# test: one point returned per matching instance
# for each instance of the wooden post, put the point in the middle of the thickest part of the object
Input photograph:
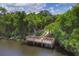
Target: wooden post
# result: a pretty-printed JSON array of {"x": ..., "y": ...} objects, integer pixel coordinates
[
  {"x": 41, "y": 44},
  {"x": 51, "y": 46},
  {"x": 33, "y": 43}
]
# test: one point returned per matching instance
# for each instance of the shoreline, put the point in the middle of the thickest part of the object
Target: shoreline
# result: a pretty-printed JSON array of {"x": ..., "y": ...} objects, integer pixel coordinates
[{"x": 56, "y": 46}]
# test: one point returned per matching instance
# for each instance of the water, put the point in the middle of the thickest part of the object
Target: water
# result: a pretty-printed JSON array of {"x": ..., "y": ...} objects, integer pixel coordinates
[{"x": 12, "y": 48}]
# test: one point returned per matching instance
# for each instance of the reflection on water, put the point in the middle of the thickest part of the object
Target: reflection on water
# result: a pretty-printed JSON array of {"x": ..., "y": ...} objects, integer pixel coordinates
[{"x": 12, "y": 48}]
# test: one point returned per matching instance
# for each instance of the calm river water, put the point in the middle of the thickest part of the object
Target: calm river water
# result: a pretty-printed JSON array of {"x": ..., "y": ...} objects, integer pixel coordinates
[{"x": 12, "y": 48}]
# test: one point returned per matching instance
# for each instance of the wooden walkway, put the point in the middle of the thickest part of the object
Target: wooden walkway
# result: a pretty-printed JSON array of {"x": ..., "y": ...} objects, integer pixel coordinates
[{"x": 43, "y": 40}]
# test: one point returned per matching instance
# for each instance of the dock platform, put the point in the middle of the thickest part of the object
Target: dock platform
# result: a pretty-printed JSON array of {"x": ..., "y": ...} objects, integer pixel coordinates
[{"x": 43, "y": 41}]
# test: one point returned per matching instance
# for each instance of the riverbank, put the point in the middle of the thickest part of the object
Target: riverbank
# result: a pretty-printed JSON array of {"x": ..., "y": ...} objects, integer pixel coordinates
[
  {"x": 56, "y": 46},
  {"x": 13, "y": 48}
]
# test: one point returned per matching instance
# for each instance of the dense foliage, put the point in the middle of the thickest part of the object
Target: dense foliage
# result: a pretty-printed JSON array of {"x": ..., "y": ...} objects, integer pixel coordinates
[
  {"x": 66, "y": 29},
  {"x": 19, "y": 24}
]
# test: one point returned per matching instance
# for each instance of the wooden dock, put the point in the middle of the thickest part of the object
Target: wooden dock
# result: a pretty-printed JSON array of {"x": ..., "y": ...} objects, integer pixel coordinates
[{"x": 43, "y": 41}]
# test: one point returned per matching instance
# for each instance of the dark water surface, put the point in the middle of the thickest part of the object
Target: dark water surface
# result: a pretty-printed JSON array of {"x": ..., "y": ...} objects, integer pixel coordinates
[{"x": 12, "y": 48}]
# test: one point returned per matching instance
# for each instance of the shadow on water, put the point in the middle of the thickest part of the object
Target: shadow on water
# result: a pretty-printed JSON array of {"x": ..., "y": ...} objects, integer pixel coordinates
[
  {"x": 62, "y": 50},
  {"x": 56, "y": 48}
]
